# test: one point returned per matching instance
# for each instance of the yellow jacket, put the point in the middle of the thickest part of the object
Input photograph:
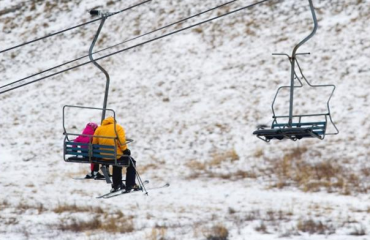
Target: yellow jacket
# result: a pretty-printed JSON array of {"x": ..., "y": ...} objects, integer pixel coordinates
[{"x": 107, "y": 130}]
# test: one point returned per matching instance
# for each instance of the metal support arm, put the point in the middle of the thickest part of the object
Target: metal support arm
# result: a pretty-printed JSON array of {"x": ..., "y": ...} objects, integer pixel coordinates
[
  {"x": 293, "y": 60},
  {"x": 104, "y": 17}
]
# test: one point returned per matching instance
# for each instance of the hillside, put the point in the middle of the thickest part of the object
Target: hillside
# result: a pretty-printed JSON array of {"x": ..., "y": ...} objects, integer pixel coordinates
[{"x": 191, "y": 102}]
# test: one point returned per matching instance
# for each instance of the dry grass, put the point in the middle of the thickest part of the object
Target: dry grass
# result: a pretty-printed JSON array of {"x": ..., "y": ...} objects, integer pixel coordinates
[
  {"x": 284, "y": 222},
  {"x": 270, "y": 216},
  {"x": 212, "y": 173},
  {"x": 82, "y": 170},
  {"x": 262, "y": 228},
  {"x": 258, "y": 153},
  {"x": 218, "y": 232},
  {"x": 61, "y": 208},
  {"x": 4, "y": 204},
  {"x": 239, "y": 174},
  {"x": 218, "y": 158},
  {"x": 295, "y": 170},
  {"x": 252, "y": 215},
  {"x": 22, "y": 207},
  {"x": 11, "y": 9},
  {"x": 312, "y": 227},
  {"x": 144, "y": 168},
  {"x": 157, "y": 234},
  {"x": 359, "y": 231},
  {"x": 17, "y": 211},
  {"x": 108, "y": 223},
  {"x": 198, "y": 30},
  {"x": 101, "y": 220},
  {"x": 218, "y": 161}
]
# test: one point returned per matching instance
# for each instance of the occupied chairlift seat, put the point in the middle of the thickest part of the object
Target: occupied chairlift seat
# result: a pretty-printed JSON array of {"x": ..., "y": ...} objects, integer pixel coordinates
[{"x": 93, "y": 153}]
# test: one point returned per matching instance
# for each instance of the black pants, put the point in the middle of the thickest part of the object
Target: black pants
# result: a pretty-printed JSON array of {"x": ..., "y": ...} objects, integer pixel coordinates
[{"x": 130, "y": 175}]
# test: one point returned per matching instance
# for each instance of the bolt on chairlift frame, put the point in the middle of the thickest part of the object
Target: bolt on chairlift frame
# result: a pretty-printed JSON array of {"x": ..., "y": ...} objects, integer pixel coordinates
[
  {"x": 298, "y": 130},
  {"x": 94, "y": 153}
]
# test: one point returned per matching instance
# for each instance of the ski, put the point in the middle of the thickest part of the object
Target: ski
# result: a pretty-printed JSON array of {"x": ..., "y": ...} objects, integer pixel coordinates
[
  {"x": 115, "y": 194},
  {"x": 85, "y": 178},
  {"x": 121, "y": 192}
]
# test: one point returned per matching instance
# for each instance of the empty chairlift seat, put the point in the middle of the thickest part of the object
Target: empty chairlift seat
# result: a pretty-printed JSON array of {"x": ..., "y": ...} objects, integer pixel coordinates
[{"x": 295, "y": 131}]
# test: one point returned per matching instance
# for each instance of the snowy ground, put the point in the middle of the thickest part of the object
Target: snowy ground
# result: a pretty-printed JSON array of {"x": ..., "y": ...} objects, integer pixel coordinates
[{"x": 191, "y": 102}]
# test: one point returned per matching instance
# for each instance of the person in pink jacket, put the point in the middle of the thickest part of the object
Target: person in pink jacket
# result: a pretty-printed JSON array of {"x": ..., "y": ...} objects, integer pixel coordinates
[{"x": 89, "y": 130}]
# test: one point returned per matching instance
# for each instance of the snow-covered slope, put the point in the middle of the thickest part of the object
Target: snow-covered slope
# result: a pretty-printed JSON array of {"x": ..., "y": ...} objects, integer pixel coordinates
[{"x": 191, "y": 102}]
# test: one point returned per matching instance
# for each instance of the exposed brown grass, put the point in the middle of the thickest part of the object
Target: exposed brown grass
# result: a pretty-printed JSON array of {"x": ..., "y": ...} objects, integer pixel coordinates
[
  {"x": 198, "y": 30},
  {"x": 359, "y": 231},
  {"x": 22, "y": 207},
  {"x": 157, "y": 233},
  {"x": 61, "y": 208},
  {"x": 262, "y": 228},
  {"x": 101, "y": 220},
  {"x": 258, "y": 153},
  {"x": 210, "y": 168},
  {"x": 312, "y": 227},
  {"x": 4, "y": 204},
  {"x": 11, "y": 9},
  {"x": 111, "y": 224},
  {"x": 217, "y": 232},
  {"x": 294, "y": 169},
  {"x": 252, "y": 215},
  {"x": 218, "y": 158},
  {"x": 144, "y": 168},
  {"x": 239, "y": 174}
]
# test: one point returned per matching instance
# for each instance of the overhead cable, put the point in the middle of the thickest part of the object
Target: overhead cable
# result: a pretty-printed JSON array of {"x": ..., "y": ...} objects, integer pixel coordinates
[
  {"x": 140, "y": 44},
  {"x": 68, "y": 29},
  {"x": 126, "y": 41}
]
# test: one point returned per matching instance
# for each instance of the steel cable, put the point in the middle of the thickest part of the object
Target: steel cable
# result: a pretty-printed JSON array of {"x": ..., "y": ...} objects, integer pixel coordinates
[
  {"x": 68, "y": 29},
  {"x": 140, "y": 44},
  {"x": 115, "y": 45}
]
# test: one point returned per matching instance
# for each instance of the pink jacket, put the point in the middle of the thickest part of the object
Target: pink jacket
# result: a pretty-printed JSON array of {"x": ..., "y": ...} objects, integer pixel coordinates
[{"x": 89, "y": 130}]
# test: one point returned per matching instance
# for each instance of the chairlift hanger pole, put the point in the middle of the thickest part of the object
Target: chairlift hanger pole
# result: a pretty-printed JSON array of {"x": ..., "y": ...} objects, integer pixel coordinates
[
  {"x": 103, "y": 18},
  {"x": 293, "y": 59}
]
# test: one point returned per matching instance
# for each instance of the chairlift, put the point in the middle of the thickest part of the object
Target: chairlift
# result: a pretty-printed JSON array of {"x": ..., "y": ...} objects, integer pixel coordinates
[
  {"x": 296, "y": 127},
  {"x": 105, "y": 155}
]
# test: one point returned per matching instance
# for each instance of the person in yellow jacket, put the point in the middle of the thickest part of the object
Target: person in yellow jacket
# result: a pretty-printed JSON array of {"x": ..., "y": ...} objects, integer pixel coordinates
[{"x": 107, "y": 130}]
